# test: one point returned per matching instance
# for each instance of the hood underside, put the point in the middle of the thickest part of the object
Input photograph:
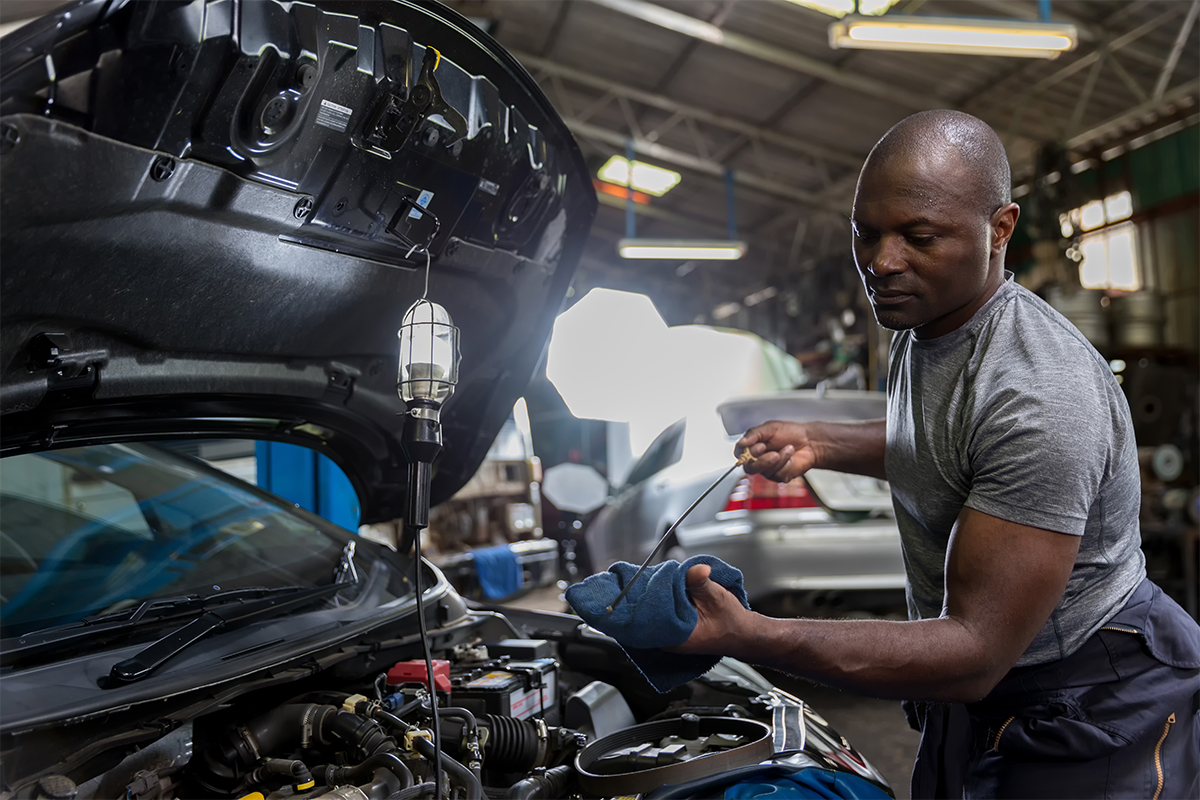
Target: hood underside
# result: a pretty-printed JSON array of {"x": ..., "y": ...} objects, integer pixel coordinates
[{"x": 213, "y": 218}]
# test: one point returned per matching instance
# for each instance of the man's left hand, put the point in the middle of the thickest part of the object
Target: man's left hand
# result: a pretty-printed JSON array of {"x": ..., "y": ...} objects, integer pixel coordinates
[{"x": 721, "y": 616}]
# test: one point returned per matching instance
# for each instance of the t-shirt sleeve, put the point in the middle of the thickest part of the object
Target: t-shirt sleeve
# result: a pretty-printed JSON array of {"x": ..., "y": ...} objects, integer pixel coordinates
[{"x": 1041, "y": 444}]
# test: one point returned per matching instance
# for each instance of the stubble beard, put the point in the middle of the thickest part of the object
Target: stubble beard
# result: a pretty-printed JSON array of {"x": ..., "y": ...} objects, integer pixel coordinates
[{"x": 892, "y": 320}]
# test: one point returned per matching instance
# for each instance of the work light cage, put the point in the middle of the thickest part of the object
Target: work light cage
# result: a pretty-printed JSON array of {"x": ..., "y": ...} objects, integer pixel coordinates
[{"x": 428, "y": 368}]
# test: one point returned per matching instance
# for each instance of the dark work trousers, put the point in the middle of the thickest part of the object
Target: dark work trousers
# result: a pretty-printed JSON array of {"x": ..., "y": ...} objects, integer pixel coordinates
[{"x": 1118, "y": 718}]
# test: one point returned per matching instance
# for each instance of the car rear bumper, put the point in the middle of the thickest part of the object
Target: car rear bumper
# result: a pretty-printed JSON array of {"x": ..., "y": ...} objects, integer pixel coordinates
[{"x": 777, "y": 558}]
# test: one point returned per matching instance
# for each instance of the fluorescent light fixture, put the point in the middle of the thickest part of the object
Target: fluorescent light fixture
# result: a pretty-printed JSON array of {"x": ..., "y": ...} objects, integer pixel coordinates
[
  {"x": 963, "y": 35},
  {"x": 681, "y": 249},
  {"x": 725, "y": 310},
  {"x": 760, "y": 296},
  {"x": 646, "y": 177}
]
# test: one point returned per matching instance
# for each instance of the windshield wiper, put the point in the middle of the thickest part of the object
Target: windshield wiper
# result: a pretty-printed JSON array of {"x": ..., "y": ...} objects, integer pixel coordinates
[
  {"x": 155, "y": 611},
  {"x": 236, "y": 611}
]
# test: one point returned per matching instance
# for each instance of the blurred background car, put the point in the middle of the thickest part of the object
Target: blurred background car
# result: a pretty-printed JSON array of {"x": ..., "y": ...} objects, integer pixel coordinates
[{"x": 826, "y": 542}]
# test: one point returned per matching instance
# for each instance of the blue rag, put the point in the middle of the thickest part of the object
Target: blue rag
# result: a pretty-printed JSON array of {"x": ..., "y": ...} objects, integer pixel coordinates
[
  {"x": 498, "y": 571},
  {"x": 655, "y": 614}
]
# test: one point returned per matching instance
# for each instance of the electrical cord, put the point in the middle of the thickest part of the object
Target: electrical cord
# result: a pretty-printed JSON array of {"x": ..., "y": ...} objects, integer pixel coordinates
[{"x": 433, "y": 705}]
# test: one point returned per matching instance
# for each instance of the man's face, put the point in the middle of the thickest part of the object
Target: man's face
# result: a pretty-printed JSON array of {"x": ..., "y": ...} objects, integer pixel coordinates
[{"x": 922, "y": 243}]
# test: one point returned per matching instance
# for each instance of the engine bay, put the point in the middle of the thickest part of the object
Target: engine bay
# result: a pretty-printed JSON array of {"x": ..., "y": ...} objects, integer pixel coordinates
[{"x": 549, "y": 708}]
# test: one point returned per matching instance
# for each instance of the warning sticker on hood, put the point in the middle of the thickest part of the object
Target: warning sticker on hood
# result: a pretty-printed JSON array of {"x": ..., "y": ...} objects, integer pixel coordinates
[{"x": 332, "y": 115}]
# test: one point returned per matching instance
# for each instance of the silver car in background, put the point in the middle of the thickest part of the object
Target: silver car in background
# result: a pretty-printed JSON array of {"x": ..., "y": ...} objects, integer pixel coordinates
[{"x": 826, "y": 542}]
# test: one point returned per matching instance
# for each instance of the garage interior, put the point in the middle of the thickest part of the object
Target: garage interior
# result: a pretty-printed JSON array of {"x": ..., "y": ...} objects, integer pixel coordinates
[{"x": 766, "y": 127}]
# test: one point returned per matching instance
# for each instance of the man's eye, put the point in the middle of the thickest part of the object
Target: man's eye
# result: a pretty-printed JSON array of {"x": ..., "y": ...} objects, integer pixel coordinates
[
  {"x": 920, "y": 241},
  {"x": 865, "y": 236}
]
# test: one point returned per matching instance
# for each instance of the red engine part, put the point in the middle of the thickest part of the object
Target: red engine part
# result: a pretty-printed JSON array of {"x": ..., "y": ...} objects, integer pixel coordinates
[{"x": 414, "y": 672}]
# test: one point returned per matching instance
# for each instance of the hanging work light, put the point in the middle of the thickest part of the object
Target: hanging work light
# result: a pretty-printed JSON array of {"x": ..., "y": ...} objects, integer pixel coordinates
[{"x": 427, "y": 375}]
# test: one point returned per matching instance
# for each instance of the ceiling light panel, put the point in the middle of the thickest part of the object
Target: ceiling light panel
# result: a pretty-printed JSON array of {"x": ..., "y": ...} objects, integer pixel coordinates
[
  {"x": 681, "y": 249},
  {"x": 958, "y": 35},
  {"x": 840, "y": 8},
  {"x": 646, "y": 177}
]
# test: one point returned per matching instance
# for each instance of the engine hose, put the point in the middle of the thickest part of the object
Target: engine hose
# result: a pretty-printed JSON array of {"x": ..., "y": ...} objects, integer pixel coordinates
[
  {"x": 388, "y": 718},
  {"x": 363, "y": 734},
  {"x": 227, "y": 758},
  {"x": 475, "y": 755},
  {"x": 389, "y": 761},
  {"x": 512, "y": 745},
  {"x": 295, "y": 771},
  {"x": 417, "y": 790},
  {"x": 276, "y": 730},
  {"x": 458, "y": 773},
  {"x": 393, "y": 703},
  {"x": 549, "y": 784},
  {"x": 455, "y": 712}
]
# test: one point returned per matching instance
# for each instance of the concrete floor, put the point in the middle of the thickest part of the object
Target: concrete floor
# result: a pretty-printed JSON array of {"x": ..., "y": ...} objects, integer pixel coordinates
[{"x": 877, "y": 728}]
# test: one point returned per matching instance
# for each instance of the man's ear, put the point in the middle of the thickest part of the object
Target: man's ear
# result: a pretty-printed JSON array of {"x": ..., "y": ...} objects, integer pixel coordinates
[{"x": 1003, "y": 223}]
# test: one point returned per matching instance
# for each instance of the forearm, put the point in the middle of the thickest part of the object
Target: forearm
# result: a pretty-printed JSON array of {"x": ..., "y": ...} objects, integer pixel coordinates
[
  {"x": 856, "y": 447},
  {"x": 939, "y": 659}
]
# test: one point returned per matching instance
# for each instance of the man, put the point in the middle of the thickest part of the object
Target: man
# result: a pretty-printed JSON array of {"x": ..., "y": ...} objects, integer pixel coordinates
[{"x": 1048, "y": 665}]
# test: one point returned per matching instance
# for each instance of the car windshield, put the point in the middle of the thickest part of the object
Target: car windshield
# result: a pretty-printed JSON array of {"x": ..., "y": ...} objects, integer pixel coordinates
[{"x": 95, "y": 529}]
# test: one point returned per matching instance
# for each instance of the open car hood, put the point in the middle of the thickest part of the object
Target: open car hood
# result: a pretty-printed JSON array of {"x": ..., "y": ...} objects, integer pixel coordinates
[{"x": 213, "y": 218}]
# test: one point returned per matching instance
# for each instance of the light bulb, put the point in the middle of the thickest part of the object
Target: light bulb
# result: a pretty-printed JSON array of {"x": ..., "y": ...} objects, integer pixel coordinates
[{"x": 428, "y": 367}]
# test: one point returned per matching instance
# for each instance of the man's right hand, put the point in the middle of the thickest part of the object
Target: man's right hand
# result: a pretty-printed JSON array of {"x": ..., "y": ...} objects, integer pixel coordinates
[
  {"x": 786, "y": 450},
  {"x": 782, "y": 450}
]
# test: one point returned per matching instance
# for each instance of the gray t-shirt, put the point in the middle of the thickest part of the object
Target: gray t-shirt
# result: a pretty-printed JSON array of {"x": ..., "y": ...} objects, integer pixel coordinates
[{"x": 1016, "y": 415}]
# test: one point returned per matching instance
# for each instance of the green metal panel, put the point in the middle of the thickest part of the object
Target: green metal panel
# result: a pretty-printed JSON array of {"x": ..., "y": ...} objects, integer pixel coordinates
[{"x": 1165, "y": 169}]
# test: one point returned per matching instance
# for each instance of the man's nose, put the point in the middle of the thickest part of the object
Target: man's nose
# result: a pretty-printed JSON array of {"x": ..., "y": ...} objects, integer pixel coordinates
[{"x": 889, "y": 256}]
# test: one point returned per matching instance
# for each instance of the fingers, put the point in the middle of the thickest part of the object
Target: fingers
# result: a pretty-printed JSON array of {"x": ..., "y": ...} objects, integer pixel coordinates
[
  {"x": 749, "y": 439},
  {"x": 697, "y": 575},
  {"x": 777, "y": 466},
  {"x": 766, "y": 437}
]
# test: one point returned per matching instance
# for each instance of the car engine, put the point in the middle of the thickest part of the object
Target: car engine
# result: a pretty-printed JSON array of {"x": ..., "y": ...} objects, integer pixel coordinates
[{"x": 536, "y": 713}]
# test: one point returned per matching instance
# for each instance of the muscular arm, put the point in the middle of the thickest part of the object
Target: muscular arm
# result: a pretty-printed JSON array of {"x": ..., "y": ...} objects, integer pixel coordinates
[
  {"x": 1003, "y": 580},
  {"x": 786, "y": 450}
]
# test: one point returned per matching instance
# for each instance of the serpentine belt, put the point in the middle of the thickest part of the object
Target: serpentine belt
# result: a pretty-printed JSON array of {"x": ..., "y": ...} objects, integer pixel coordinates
[{"x": 759, "y": 748}]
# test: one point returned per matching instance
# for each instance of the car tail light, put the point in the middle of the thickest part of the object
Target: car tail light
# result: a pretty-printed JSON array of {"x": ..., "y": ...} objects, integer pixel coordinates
[{"x": 756, "y": 493}]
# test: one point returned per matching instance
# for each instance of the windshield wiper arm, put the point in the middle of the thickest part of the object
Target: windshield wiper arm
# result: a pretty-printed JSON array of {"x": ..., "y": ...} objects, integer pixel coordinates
[
  {"x": 147, "y": 612},
  {"x": 144, "y": 663}
]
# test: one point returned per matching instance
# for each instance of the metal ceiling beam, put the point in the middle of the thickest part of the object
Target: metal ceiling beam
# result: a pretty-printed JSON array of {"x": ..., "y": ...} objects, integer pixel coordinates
[
  {"x": 780, "y": 56},
  {"x": 1089, "y": 31},
  {"x": 696, "y": 163},
  {"x": 1082, "y": 63},
  {"x": 832, "y": 155},
  {"x": 1089, "y": 86},
  {"x": 1164, "y": 78},
  {"x": 1179, "y": 93},
  {"x": 1130, "y": 82}
]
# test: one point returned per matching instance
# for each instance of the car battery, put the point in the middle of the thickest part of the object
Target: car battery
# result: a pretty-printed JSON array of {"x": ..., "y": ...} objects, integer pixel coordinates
[{"x": 517, "y": 689}]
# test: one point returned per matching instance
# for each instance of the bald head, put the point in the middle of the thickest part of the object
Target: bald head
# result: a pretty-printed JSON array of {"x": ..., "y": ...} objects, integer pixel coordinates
[{"x": 940, "y": 135}]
